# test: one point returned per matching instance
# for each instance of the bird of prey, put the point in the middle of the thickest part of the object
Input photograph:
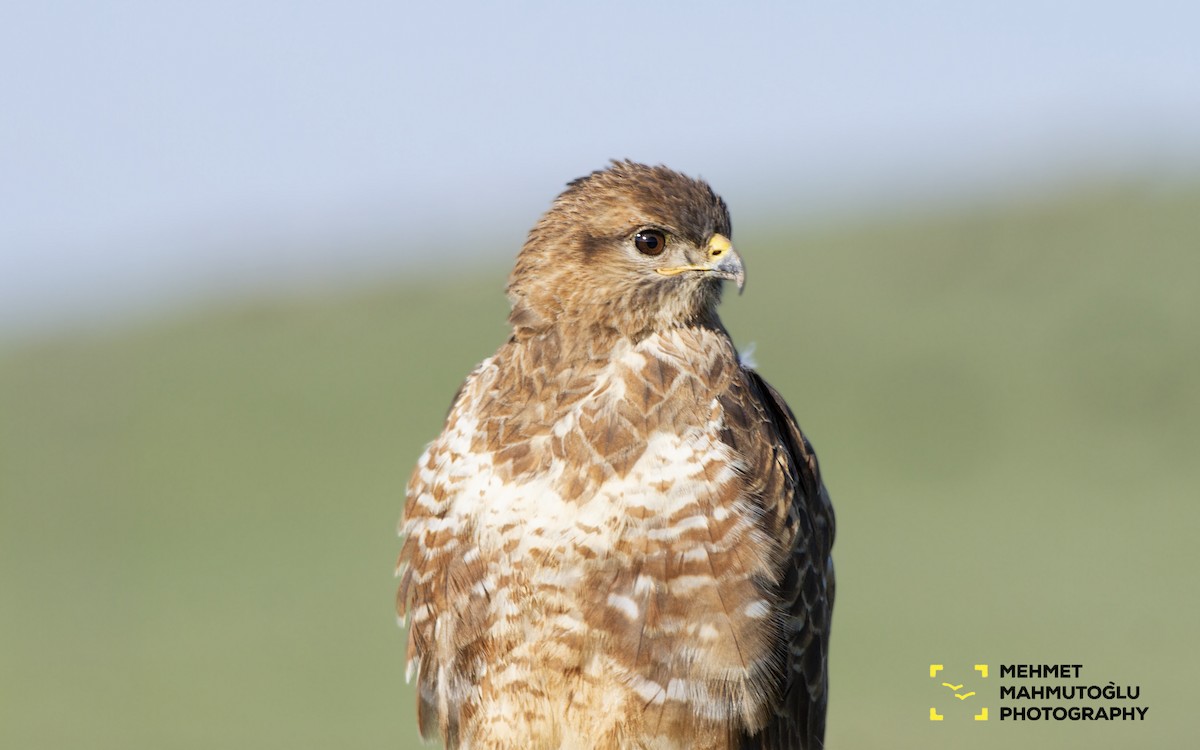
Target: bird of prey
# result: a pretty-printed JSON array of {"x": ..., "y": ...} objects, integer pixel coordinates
[{"x": 621, "y": 538}]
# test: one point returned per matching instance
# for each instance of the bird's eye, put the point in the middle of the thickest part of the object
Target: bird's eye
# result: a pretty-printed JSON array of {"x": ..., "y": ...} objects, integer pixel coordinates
[{"x": 650, "y": 242}]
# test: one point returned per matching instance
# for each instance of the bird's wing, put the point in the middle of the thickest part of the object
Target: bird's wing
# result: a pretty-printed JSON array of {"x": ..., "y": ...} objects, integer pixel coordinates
[
  {"x": 434, "y": 573},
  {"x": 789, "y": 479}
]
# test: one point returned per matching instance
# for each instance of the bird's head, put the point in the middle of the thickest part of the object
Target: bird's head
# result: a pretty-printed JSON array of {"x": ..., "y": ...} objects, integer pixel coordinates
[{"x": 630, "y": 249}]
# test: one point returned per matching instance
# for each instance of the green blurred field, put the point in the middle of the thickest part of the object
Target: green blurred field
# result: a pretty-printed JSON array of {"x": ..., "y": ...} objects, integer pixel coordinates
[{"x": 197, "y": 521}]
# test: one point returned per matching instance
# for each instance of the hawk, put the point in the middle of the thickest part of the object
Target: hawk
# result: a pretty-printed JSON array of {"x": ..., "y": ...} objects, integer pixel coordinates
[{"x": 621, "y": 538}]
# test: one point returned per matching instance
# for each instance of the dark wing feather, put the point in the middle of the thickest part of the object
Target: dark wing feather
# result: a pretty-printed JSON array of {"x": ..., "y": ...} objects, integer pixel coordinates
[{"x": 806, "y": 586}]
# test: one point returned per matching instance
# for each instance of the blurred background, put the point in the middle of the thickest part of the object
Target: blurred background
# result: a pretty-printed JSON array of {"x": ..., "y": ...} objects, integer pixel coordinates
[{"x": 248, "y": 252}]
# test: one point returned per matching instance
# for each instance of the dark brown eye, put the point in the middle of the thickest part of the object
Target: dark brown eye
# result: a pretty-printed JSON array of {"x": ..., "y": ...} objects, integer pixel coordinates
[{"x": 650, "y": 242}]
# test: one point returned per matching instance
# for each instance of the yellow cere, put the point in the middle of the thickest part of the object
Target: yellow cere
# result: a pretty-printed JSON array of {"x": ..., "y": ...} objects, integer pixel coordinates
[{"x": 718, "y": 245}]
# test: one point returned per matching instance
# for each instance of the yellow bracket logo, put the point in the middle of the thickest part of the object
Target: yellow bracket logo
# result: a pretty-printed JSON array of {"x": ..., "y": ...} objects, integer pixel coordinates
[{"x": 982, "y": 669}]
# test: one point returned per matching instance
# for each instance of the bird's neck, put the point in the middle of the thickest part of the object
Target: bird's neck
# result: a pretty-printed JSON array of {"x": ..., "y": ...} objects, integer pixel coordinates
[{"x": 582, "y": 349}]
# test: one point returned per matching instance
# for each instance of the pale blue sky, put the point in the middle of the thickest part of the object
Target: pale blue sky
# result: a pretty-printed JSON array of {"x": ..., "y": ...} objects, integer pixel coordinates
[{"x": 151, "y": 151}]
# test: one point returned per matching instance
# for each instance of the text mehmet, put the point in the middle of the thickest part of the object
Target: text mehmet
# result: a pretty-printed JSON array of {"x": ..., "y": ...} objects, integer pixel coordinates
[{"x": 1107, "y": 692}]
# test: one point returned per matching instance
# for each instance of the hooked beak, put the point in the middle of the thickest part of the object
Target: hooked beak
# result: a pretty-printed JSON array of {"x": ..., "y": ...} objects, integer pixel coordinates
[{"x": 722, "y": 261}]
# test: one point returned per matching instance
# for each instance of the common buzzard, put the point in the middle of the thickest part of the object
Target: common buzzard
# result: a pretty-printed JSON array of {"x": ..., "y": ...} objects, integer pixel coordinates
[{"x": 621, "y": 538}]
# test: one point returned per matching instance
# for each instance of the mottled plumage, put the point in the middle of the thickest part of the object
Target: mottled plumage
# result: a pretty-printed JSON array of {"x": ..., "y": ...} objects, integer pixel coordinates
[{"x": 621, "y": 538}]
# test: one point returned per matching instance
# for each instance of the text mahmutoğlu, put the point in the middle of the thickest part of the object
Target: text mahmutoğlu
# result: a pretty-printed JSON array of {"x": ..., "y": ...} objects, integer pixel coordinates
[{"x": 1065, "y": 692}]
